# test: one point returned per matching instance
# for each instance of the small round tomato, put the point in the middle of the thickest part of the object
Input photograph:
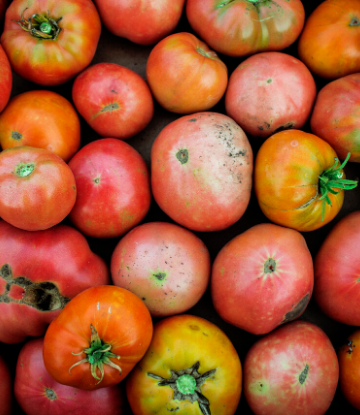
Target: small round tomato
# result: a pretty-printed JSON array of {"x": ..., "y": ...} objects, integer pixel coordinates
[
  {"x": 191, "y": 367},
  {"x": 41, "y": 119},
  {"x": 5, "y": 79},
  {"x": 97, "y": 338},
  {"x": 5, "y": 389}
]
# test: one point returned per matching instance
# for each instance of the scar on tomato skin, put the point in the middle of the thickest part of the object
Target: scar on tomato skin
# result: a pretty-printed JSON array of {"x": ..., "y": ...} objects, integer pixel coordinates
[
  {"x": 183, "y": 156},
  {"x": 297, "y": 310},
  {"x": 108, "y": 108},
  {"x": 96, "y": 180},
  {"x": 16, "y": 135},
  {"x": 304, "y": 374}
]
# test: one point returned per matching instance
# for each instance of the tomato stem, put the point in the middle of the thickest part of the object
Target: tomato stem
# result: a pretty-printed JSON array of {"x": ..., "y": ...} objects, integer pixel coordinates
[{"x": 40, "y": 26}]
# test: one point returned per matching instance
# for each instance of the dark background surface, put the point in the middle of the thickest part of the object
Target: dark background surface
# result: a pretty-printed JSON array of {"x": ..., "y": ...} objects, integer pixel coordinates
[{"x": 123, "y": 52}]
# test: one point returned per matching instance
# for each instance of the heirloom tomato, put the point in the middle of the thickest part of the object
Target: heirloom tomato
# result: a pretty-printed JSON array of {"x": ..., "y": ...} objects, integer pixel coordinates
[
  {"x": 298, "y": 180},
  {"x": 5, "y": 388},
  {"x": 50, "y": 41},
  {"x": 97, "y": 338},
  {"x": 191, "y": 367},
  {"x": 39, "y": 273},
  {"x": 5, "y": 79}
]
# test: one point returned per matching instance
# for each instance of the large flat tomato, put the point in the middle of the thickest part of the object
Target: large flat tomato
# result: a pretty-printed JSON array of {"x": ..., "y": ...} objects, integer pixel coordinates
[
  {"x": 5, "y": 389},
  {"x": 5, "y": 79},
  {"x": 97, "y": 338},
  {"x": 298, "y": 180},
  {"x": 50, "y": 41},
  {"x": 39, "y": 273},
  {"x": 190, "y": 368}
]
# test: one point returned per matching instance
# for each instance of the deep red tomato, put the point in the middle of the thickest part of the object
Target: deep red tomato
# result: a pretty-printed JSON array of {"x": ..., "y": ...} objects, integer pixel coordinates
[
  {"x": 41, "y": 119},
  {"x": 108, "y": 327},
  {"x": 39, "y": 273},
  {"x": 5, "y": 79},
  {"x": 191, "y": 367},
  {"x": 115, "y": 101},
  {"x": 244, "y": 27},
  {"x": 201, "y": 171},
  {"x": 50, "y": 41},
  {"x": 113, "y": 186},
  {"x": 37, "y": 188},
  {"x": 5, "y": 389},
  {"x": 165, "y": 265},
  {"x": 38, "y": 393}
]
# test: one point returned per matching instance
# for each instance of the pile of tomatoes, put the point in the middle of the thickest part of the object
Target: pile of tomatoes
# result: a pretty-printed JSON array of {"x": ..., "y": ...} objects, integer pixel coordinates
[{"x": 179, "y": 207}]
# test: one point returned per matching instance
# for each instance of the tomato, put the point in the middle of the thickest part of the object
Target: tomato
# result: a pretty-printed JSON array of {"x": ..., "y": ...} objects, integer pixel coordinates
[
  {"x": 39, "y": 394},
  {"x": 191, "y": 367},
  {"x": 261, "y": 90},
  {"x": 336, "y": 116},
  {"x": 262, "y": 278},
  {"x": 42, "y": 119},
  {"x": 201, "y": 171},
  {"x": 298, "y": 180},
  {"x": 113, "y": 188},
  {"x": 165, "y": 265},
  {"x": 5, "y": 389},
  {"x": 321, "y": 45},
  {"x": 141, "y": 21},
  {"x": 49, "y": 41},
  {"x": 5, "y": 79},
  {"x": 108, "y": 327},
  {"x": 115, "y": 101},
  {"x": 168, "y": 68},
  {"x": 37, "y": 188},
  {"x": 245, "y": 27},
  {"x": 39, "y": 273},
  {"x": 293, "y": 370}
]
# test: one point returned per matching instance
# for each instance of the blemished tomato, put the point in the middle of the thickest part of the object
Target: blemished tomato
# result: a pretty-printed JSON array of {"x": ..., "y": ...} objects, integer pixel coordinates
[
  {"x": 5, "y": 79},
  {"x": 165, "y": 265},
  {"x": 191, "y": 367},
  {"x": 245, "y": 27},
  {"x": 97, "y": 338},
  {"x": 37, "y": 188},
  {"x": 298, "y": 180},
  {"x": 38, "y": 393},
  {"x": 41, "y": 119},
  {"x": 39, "y": 273},
  {"x": 168, "y": 70},
  {"x": 5, "y": 388},
  {"x": 322, "y": 46},
  {"x": 50, "y": 41}
]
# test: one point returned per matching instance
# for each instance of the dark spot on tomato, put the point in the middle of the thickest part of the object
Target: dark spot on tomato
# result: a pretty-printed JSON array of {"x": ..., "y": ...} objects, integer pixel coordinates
[
  {"x": 297, "y": 310},
  {"x": 269, "y": 81},
  {"x": 50, "y": 393},
  {"x": 183, "y": 156},
  {"x": 286, "y": 126},
  {"x": 270, "y": 266},
  {"x": 16, "y": 135},
  {"x": 193, "y": 119},
  {"x": 303, "y": 374},
  {"x": 160, "y": 276},
  {"x": 193, "y": 327}
]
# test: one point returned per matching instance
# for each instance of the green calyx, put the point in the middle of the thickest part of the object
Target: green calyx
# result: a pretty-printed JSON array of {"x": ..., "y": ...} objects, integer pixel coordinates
[
  {"x": 40, "y": 26},
  {"x": 186, "y": 384},
  {"x": 98, "y": 355},
  {"x": 24, "y": 170},
  {"x": 331, "y": 179}
]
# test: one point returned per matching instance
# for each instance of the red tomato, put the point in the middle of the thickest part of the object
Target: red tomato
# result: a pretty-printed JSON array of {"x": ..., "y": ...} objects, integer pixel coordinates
[
  {"x": 41, "y": 119},
  {"x": 168, "y": 68},
  {"x": 201, "y": 171},
  {"x": 38, "y": 393},
  {"x": 108, "y": 327},
  {"x": 191, "y": 367},
  {"x": 50, "y": 41},
  {"x": 261, "y": 90},
  {"x": 113, "y": 188},
  {"x": 244, "y": 27},
  {"x": 141, "y": 21},
  {"x": 39, "y": 273},
  {"x": 167, "y": 266},
  {"x": 293, "y": 370},
  {"x": 5, "y": 79},
  {"x": 262, "y": 278},
  {"x": 115, "y": 101},
  {"x": 5, "y": 389}
]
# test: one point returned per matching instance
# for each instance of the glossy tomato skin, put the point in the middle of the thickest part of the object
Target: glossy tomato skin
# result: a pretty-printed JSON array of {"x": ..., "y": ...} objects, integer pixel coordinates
[
  {"x": 178, "y": 343},
  {"x": 114, "y": 100},
  {"x": 336, "y": 116},
  {"x": 168, "y": 68},
  {"x": 141, "y": 21},
  {"x": 243, "y": 27},
  {"x": 261, "y": 90},
  {"x": 113, "y": 188},
  {"x": 39, "y": 394},
  {"x": 121, "y": 320},
  {"x": 293, "y": 370},
  {"x": 262, "y": 278},
  {"x": 41, "y": 119},
  {"x": 5, "y": 389},
  {"x": 52, "y": 61},
  {"x": 165, "y": 265},
  {"x": 5, "y": 79},
  {"x": 39, "y": 273},
  {"x": 201, "y": 171},
  {"x": 286, "y": 178},
  {"x": 321, "y": 45},
  {"x": 42, "y": 191}
]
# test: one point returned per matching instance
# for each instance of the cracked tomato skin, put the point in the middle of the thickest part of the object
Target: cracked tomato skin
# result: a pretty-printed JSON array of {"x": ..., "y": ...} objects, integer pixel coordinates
[
  {"x": 5, "y": 388},
  {"x": 178, "y": 343},
  {"x": 5, "y": 79},
  {"x": 39, "y": 273},
  {"x": 52, "y": 61}
]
